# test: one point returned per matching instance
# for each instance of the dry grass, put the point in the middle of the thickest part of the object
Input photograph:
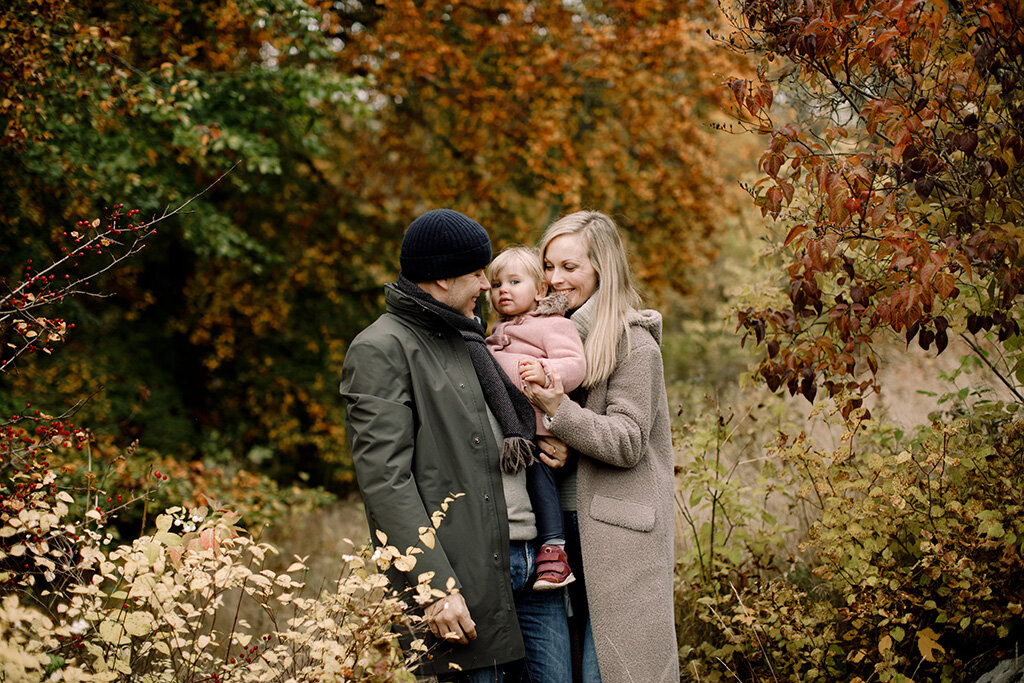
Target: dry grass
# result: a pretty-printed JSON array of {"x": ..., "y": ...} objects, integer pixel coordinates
[
  {"x": 319, "y": 537},
  {"x": 912, "y": 381}
]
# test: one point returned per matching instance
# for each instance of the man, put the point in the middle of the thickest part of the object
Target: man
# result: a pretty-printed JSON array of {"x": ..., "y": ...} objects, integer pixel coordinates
[{"x": 422, "y": 428}]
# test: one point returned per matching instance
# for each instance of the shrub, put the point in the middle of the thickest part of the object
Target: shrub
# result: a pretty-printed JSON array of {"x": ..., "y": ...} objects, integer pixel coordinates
[
  {"x": 894, "y": 177},
  {"x": 916, "y": 559},
  {"x": 167, "y": 605}
]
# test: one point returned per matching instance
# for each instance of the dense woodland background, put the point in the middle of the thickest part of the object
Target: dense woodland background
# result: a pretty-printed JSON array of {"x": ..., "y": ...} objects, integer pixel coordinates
[
  {"x": 346, "y": 121},
  {"x": 201, "y": 203}
]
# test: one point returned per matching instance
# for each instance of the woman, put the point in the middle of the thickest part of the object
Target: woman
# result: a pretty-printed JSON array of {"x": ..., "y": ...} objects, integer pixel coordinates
[{"x": 620, "y": 487}]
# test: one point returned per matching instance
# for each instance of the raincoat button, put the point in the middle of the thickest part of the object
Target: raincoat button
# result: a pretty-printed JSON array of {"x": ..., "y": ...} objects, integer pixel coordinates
[{"x": 476, "y": 439}]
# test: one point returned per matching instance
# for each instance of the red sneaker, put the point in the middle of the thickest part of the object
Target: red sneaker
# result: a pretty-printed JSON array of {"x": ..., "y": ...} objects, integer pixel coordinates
[{"x": 552, "y": 569}]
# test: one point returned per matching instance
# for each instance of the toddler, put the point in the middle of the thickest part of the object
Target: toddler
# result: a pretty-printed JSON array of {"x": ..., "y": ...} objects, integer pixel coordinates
[{"x": 532, "y": 337}]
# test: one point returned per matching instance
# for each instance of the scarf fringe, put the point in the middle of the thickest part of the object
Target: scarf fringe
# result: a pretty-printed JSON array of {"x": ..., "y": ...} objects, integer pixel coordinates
[{"x": 516, "y": 455}]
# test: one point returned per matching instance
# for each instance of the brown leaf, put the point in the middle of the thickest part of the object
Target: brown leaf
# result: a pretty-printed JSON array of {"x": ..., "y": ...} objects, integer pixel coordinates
[{"x": 793, "y": 233}]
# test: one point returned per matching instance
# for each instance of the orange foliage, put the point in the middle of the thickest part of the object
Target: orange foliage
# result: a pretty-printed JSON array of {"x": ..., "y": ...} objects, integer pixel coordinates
[
  {"x": 349, "y": 119},
  {"x": 519, "y": 112}
]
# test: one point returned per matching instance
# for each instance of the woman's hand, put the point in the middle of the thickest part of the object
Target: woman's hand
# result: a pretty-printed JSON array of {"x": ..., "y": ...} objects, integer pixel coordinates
[
  {"x": 547, "y": 398},
  {"x": 553, "y": 452}
]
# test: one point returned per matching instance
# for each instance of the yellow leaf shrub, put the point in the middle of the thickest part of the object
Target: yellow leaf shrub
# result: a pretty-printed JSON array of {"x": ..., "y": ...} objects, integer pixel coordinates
[{"x": 166, "y": 606}]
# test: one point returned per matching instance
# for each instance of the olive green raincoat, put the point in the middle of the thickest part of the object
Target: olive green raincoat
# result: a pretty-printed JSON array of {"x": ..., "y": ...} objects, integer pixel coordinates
[{"x": 419, "y": 430}]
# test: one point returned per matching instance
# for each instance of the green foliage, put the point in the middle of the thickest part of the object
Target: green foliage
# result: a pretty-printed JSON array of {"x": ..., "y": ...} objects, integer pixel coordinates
[
  {"x": 163, "y": 481},
  {"x": 724, "y": 498},
  {"x": 728, "y": 502},
  {"x": 144, "y": 102},
  {"x": 915, "y": 558},
  {"x": 699, "y": 341},
  {"x": 166, "y": 605},
  {"x": 28, "y": 325}
]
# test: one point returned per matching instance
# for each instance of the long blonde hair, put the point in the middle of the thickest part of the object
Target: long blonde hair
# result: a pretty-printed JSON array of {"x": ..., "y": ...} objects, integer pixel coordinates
[{"x": 615, "y": 296}]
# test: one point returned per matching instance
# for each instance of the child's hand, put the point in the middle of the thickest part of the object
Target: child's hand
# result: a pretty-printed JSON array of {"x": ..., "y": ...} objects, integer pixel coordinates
[{"x": 532, "y": 371}]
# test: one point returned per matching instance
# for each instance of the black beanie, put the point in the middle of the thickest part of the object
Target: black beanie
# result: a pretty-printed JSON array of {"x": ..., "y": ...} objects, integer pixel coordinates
[{"x": 443, "y": 243}]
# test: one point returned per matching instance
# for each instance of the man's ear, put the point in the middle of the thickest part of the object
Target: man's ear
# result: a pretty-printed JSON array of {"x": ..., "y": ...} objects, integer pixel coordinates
[{"x": 444, "y": 284}]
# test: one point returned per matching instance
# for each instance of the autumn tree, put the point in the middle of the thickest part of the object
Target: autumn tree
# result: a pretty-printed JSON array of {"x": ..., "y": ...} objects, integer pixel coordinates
[
  {"x": 513, "y": 113},
  {"x": 517, "y": 112},
  {"x": 147, "y": 103},
  {"x": 897, "y": 183},
  {"x": 892, "y": 175},
  {"x": 348, "y": 119}
]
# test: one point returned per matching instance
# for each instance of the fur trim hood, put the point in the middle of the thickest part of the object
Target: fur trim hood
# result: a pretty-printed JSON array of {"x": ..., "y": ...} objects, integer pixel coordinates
[
  {"x": 647, "y": 318},
  {"x": 555, "y": 303}
]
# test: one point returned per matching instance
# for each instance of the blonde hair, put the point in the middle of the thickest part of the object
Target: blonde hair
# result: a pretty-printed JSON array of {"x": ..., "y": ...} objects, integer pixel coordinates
[
  {"x": 526, "y": 257},
  {"x": 615, "y": 295}
]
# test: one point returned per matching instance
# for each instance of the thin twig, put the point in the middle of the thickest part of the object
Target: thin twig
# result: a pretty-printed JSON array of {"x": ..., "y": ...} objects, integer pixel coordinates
[
  {"x": 767, "y": 659},
  {"x": 980, "y": 354}
]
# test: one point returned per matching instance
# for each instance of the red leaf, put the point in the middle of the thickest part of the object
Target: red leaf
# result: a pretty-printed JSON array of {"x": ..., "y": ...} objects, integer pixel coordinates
[
  {"x": 739, "y": 88},
  {"x": 793, "y": 233},
  {"x": 944, "y": 284},
  {"x": 787, "y": 190}
]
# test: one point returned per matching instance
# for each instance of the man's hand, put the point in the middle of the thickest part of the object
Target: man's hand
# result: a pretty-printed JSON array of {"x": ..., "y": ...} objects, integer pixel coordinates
[
  {"x": 449, "y": 619},
  {"x": 532, "y": 371},
  {"x": 553, "y": 452}
]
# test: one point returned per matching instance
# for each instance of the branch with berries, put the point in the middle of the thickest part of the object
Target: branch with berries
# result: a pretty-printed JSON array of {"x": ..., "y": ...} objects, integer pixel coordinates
[{"x": 92, "y": 248}]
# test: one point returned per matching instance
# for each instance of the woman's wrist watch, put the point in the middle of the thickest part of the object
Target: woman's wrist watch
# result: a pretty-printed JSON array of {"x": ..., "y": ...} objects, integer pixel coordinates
[{"x": 546, "y": 421}]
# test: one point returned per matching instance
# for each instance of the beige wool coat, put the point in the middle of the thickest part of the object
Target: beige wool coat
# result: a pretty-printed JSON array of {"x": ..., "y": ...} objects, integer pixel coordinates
[{"x": 625, "y": 488}]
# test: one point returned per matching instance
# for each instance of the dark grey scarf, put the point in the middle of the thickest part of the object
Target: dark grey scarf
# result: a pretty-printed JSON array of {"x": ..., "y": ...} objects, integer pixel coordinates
[{"x": 514, "y": 413}]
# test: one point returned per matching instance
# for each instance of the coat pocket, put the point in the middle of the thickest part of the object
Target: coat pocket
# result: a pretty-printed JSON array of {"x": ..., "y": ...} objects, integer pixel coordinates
[{"x": 622, "y": 513}]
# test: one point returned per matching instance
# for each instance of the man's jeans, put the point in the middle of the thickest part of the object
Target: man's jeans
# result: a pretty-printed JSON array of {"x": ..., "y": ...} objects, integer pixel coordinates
[
  {"x": 584, "y": 636},
  {"x": 543, "y": 624}
]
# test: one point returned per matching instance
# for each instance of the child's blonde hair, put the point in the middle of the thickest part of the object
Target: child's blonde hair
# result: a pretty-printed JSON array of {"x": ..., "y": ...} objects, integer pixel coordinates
[{"x": 526, "y": 257}]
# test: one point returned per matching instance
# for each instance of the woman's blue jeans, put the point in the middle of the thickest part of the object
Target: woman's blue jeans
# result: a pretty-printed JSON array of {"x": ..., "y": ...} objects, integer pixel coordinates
[{"x": 543, "y": 624}]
